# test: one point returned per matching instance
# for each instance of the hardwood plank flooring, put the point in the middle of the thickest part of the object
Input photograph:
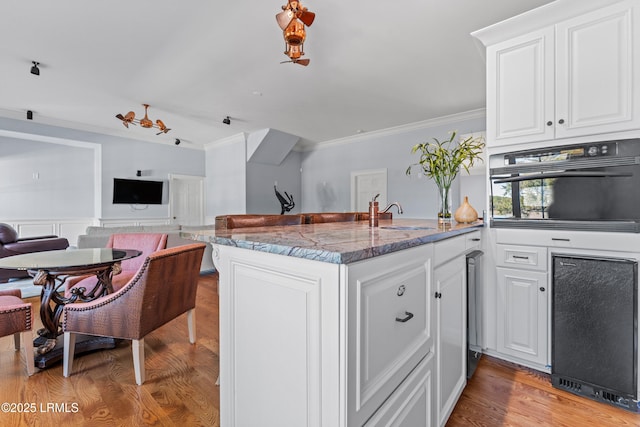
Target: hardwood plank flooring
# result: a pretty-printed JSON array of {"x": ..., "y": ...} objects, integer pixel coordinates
[
  {"x": 180, "y": 388},
  {"x": 504, "y": 394}
]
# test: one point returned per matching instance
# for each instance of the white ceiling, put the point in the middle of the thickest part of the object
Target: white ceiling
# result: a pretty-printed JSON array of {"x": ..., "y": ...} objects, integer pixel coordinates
[{"x": 374, "y": 65}]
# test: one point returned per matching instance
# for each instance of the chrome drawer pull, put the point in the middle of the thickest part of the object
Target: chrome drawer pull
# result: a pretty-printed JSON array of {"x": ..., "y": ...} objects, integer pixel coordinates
[{"x": 408, "y": 317}]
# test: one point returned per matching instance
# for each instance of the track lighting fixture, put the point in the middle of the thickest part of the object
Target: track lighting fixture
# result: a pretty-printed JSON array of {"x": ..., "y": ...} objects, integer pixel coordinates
[
  {"x": 29, "y": 115},
  {"x": 34, "y": 69},
  {"x": 226, "y": 120},
  {"x": 177, "y": 141}
]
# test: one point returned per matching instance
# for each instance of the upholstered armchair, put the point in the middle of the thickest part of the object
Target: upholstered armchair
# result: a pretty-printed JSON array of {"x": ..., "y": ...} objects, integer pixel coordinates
[
  {"x": 10, "y": 245},
  {"x": 147, "y": 243},
  {"x": 15, "y": 319},
  {"x": 162, "y": 289}
]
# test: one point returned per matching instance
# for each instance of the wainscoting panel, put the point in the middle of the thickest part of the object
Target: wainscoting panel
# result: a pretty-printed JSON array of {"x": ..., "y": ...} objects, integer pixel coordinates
[
  {"x": 123, "y": 222},
  {"x": 68, "y": 228}
]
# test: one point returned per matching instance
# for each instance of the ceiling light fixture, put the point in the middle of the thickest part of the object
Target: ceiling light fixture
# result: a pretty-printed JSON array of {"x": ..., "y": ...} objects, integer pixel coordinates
[
  {"x": 177, "y": 141},
  {"x": 292, "y": 20},
  {"x": 145, "y": 122},
  {"x": 226, "y": 120},
  {"x": 34, "y": 69}
]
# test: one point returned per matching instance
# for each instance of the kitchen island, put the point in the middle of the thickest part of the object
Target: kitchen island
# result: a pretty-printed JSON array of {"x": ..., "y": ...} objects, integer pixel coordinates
[{"x": 340, "y": 324}]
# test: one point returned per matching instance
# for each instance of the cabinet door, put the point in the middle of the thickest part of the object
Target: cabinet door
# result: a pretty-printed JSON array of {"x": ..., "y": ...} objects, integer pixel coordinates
[
  {"x": 520, "y": 92},
  {"x": 522, "y": 314},
  {"x": 451, "y": 334},
  {"x": 595, "y": 64},
  {"x": 279, "y": 331}
]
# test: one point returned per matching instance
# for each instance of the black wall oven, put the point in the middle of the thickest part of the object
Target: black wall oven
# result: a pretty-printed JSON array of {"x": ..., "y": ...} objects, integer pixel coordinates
[{"x": 592, "y": 186}]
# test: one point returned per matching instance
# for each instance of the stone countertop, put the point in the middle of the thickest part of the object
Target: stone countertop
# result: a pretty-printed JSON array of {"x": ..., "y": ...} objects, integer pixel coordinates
[{"x": 337, "y": 242}]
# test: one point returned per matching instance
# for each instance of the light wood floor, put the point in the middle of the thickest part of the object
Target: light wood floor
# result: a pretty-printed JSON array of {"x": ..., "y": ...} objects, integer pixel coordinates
[{"x": 180, "y": 389}]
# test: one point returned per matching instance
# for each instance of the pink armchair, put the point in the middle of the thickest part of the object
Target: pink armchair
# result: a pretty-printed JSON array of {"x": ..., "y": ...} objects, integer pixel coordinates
[
  {"x": 145, "y": 242},
  {"x": 163, "y": 288},
  {"x": 15, "y": 319}
]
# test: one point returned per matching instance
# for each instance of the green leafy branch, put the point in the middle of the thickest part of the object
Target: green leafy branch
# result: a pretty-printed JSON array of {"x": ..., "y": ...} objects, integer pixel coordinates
[{"x": 442, "y": 160}]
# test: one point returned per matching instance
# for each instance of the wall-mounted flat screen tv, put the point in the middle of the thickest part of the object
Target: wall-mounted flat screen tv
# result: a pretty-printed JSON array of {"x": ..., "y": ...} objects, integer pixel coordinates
[{"x": 137, "y": 191}]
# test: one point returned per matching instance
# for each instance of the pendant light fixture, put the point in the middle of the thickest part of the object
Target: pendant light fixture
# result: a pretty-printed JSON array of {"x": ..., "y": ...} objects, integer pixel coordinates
[{"x": 292, "y": 20}]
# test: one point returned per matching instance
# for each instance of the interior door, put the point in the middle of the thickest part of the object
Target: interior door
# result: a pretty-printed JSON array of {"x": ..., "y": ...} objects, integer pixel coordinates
[
  {"x": 365, "y": 185},
  {"x": 186, "y": 199}
]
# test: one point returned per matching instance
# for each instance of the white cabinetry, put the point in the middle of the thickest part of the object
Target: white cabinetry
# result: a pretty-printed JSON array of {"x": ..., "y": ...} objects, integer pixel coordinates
[
  {"x": 313, "y": 344},
  {"x": 451, "y": 339},
  {"x": 279, "y": 340},
  {"x": 450, "y": 320},
  {"x": 523, "y": 303},
  {"x": 412, "y": 404},
  {"x": 574, "y": 78},
  {"x": 520, "y": 89},
  {"x": 389, "y": 327}
]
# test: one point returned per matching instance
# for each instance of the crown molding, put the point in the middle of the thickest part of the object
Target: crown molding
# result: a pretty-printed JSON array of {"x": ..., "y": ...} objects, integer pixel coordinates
[
  {"x": 424, "y": 124},
  {"x": 239, "y": 137},
  {"x": 535, "y": 19}
]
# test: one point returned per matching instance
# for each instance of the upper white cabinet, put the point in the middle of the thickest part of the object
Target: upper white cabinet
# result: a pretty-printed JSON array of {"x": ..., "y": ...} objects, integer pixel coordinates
[
  {"x": 520, "y": 89},
  {"x": 572, "y": 78}
]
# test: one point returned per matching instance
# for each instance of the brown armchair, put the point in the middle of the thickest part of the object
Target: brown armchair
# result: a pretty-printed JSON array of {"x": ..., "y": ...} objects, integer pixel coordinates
[
  {"x": 163, "y": 289},
  {"x": 10, "y": 245}
]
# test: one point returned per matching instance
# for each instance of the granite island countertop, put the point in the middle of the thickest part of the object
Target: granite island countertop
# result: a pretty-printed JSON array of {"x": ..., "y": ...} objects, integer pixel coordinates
[{"x": 336, "y": 242}]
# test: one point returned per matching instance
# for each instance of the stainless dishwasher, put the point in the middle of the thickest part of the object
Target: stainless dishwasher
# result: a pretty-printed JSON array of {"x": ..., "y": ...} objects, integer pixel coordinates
[{"x": 595, "y": 328}]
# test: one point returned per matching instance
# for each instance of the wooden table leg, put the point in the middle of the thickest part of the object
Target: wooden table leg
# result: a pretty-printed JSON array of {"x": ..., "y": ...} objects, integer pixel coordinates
[{"x": 49, "y": 348}]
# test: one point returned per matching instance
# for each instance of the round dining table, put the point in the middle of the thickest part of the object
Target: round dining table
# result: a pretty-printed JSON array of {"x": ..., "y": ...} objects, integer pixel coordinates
[{"x": 51, "y": 269}]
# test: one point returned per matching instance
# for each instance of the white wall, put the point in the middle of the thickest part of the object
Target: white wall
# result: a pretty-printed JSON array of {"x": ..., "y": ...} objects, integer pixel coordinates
[
  {"x": 324, "y": 184},
  {"x": 225, "y": 182},
  {"x": 261, "y": 198},
  {"x": 41, "y": 180},
  {"x": 67, "y": 173},
  {"x": 235, "y": 186},
  {"x": 122, "y": 158},
  {"x": 326, "y": 172}
]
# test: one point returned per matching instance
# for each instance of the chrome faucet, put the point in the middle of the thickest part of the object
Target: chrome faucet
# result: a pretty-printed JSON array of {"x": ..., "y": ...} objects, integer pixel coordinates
[{"x": 396, "y": 204}]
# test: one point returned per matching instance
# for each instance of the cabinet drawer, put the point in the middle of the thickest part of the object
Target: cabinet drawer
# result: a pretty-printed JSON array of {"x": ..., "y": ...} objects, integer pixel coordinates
[
  {"x": 473, "y": 240},
  {"x": 389, "y": 329},
  {"x": 529, "y": 257},
  {"x": 411, "y": 404},
  {"x": 444, "y": 250}
]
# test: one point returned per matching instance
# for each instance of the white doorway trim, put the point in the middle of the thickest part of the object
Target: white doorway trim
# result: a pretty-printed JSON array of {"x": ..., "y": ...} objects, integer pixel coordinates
[
  {"x": 172, "y": 208},
  {"x": 366, "y": 184}
]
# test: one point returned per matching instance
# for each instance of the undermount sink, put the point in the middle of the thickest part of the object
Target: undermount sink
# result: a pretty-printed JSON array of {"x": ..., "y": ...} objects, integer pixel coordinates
[{"x": 406, "y": 227}]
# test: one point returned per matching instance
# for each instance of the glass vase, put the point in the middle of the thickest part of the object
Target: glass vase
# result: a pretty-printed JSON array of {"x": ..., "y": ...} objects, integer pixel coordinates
[{"x": 444, "y": 208}]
